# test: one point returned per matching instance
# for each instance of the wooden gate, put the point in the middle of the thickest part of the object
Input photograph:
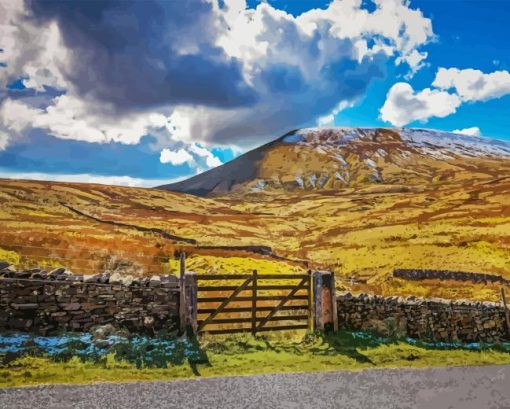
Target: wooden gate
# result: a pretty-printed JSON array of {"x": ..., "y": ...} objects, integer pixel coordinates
[{"x": 266, "y": 302}]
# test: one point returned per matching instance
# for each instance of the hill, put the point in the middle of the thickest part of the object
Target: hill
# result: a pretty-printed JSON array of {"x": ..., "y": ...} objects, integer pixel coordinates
[
  {"x": 337, "y": 158},
  {"x": 438, "y": 204}
]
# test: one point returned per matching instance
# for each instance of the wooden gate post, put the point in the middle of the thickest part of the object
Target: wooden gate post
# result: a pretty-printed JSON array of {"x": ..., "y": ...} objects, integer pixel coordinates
[
  {"x": 334, "y": 311},
  {"x": 182, "y": 293},
  {"x": 505, "y": 309},
  {"x": 191, "y": 291},
  {"x": 324, "y": 301}
]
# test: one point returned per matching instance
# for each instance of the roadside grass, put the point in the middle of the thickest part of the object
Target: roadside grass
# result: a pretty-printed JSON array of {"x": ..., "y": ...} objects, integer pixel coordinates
[{"x": 150, "y": 359}]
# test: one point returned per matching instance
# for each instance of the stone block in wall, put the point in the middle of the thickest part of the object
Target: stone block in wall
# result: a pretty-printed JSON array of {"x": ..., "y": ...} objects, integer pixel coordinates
[
  {"x": 30, "y": 306},
  {"x": 20, "y": 323}
]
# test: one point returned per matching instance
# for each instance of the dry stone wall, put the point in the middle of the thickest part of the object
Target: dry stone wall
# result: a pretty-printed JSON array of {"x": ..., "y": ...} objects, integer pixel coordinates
[
  {"x": 415, "y": 274},
  {"x": 428, "y": 319},
  {"x": 47, "y": 302}
]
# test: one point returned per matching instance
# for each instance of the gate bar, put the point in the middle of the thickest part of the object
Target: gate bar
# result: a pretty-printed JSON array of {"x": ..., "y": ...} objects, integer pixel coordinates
[
  {"x": 248, "y": 309},
  {"x": 247, "y": 329}
]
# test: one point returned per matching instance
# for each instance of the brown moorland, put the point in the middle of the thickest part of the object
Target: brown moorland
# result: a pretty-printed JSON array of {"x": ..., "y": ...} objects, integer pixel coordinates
[{"x": 360, "y": 205}]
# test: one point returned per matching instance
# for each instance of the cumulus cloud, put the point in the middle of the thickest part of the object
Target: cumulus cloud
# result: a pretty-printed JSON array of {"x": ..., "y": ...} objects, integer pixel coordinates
[
  {"x": 141, "y": 54},
  {"x": 29, "y": 52},
  {"x": 473, "y": 85},
  {"x": 415, "y": 60},
  {"x": 211, "y": 161},
  {"x": 177, "y": 157},
  {"x": 450, "y": 88},
  {"x": 404, "y": 105},
  {"x": 473, "y": 131},
  {"x": 4, "y": 139},
  {"x": 207, "y": 71},
  {"x": 329, "y": 119},
  {"x": 68, "y": 117},
  {"x": 195, "y": 155},
  {"x": 303, "y": 67}
]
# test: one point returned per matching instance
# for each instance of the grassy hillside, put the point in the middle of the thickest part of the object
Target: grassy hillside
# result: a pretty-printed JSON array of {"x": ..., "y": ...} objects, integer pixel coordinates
[{"x": 361, "y": 233}]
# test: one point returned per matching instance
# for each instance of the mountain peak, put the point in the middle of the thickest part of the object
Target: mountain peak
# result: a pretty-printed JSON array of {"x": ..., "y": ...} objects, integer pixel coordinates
[
  {"x": 459, "y": 144},
  {"x": 338, "y": 158}
]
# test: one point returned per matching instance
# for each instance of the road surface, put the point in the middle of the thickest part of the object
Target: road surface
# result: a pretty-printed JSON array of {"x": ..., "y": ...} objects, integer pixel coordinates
[{"x": 435, "y": 388}]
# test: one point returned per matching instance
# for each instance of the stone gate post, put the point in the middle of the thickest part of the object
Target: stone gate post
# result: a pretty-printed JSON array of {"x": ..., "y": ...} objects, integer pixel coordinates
[{"x": 324, "y": 301}]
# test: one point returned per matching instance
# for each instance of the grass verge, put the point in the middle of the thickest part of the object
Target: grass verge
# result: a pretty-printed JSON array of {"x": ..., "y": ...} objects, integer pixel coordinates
[{"x": 152, "y": 359}]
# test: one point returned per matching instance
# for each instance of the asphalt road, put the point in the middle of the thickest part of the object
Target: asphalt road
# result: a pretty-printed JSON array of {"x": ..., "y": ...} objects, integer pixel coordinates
[{"x": 439, "y": 388}]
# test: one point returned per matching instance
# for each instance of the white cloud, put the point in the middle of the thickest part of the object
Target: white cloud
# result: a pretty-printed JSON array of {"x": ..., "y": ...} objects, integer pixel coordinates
[
  {"x": 199, "y": 150},
  {"x": 473, "y": 131},
  {"x": 16, "y": 115},
  {"x": 210, "y": 160},
  {"x": 415, "y": 60},
  {"x": 194, "y": 154},
  {"x": 473, "y": 85},
  {"x": 326, "y": 120},
  {"x": 88, "y": 178},
  {"x": 403, "y": 105},
  {"x": 299, "y": 66},
  {"x": 451, "y": 88},
  {"x": 36, "y": 54},
  {"x": 29, "y": 50},
  {"x": 72, "y": 118},
  {"x": 177, "y": 157},
  {"x": 213, "y": 161},
  {"x": 4, "y": 139},
  {"x": 329, "y": 120},
  {"x": 300, "y": 49}
]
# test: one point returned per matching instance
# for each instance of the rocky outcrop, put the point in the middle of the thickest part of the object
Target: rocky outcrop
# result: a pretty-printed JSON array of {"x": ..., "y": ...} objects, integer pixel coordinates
[
  {"x": 44, "y": 302},
  {"x": 427, "y": 319}
]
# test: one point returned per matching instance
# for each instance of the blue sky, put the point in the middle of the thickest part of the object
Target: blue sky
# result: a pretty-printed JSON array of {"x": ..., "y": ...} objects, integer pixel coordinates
[
  {"x": 143, "y": 93},
  {"x": 469, "y": 35}
]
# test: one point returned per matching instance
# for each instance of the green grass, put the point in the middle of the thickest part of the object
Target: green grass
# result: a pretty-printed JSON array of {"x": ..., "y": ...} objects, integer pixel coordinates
[{"x": 244, "y": 355}]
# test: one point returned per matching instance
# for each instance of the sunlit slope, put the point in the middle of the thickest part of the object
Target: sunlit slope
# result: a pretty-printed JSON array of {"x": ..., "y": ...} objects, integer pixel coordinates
[
  {"x": 88, "y": 227},
  {"x": 434, "y": 213},
  {"x": 339, "y": 158}
]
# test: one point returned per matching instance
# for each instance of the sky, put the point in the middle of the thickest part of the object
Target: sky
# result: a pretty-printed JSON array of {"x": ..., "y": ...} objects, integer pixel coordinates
[{"x": 143, "y": 93}]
